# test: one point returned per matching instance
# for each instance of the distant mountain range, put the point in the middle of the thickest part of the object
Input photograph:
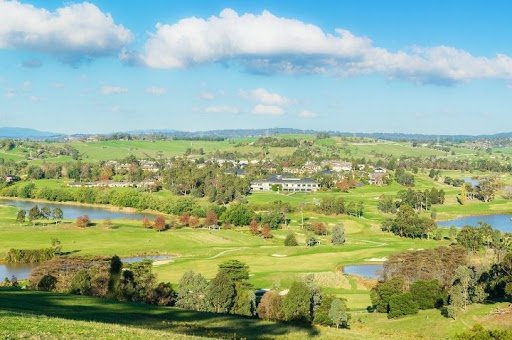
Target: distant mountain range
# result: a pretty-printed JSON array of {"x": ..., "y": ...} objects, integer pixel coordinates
[{"x": 24, "y": 133}]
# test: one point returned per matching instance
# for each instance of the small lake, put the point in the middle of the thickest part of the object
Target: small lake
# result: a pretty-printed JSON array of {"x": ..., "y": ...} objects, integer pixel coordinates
[
  {"x": 71, "y": 212},
  {"x": 502, "y": 222},
  {"x": 470, "y": 180},
  {"x": 22, "y": 270},
  {"x": 368, "y": 271}
]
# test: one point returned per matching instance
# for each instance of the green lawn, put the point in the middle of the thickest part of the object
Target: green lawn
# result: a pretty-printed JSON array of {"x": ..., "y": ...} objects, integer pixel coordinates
[{"x": 49, "y": 315}]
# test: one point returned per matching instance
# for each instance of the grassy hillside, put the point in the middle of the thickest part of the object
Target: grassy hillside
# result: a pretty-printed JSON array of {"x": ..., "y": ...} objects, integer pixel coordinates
[{"x": 48, "y": 315}]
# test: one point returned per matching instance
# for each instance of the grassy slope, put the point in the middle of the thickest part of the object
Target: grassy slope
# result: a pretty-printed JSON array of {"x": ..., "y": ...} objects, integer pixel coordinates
[{"x": 54, "y": 315}]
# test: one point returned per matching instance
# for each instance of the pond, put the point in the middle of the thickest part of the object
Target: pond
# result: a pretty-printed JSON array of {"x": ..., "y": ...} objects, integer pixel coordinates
[
  {"x": 474, "y": 182},
  {"x": 71, "y": 212},
  {"x": 368, "y": 271},
  {"x": 22, "y": 270},
  {"x": 502, "y": 222}
]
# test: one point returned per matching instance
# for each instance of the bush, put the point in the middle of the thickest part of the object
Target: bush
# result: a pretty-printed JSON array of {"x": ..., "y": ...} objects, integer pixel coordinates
[
  {"x": 382, "y": 293},
  {"x": 428, "y": 294},
  {"x": 47, "y": 283},
  {"x": 402, "y": 304},
  {"x": 81, "y": 283},
  {"x": 271, "y": 307},
  {"x": 83, "y": 221},
  {"x": 291, "y": 240},
  {"x": 338, "y": 235},
  {"x": 297, "y": 303}
]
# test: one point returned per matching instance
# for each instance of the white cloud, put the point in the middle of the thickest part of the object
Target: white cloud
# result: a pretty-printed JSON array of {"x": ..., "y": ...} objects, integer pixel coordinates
[
  {"x": 109, "y": 90},
  {"x": 272, "y": 110},
  {"x": 307, "y": 114},
  {"x": 206, "y": 96},
  {"x": 156, "y": 91},
  {"x": 266, "y": 43},
  {"x": 72, "y": 33},
  {"x": 262, "y": 96},
  {"x": 9, "y": 93},
  {"x": 221, "y": 109}
]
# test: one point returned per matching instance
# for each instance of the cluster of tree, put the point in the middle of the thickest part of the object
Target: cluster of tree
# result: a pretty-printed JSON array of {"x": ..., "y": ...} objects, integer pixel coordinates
[
  {"x": 103, "y": 277},
  {"x": 421, "y": 200},
  {"x": 456, "y": 182},
  {"x": 479, "y": 332},
  {"x": 440, "y": 277},
  {"x": 34, "y": 255},
  {"x": 211, "y": 181},
  {"x": 404, "y": 178},
  {"x": 45, "y": 213},
  {"x": 40, "y": 150},
  {"x": 121, "y": 197},
  {"x": 277, "y": 142},
  {"x": 397, "y": 299},
  {"x": 337, "y": 206},
  {"x": 228, "y": 292},
  {"x": 484, "y": 236},
  {"x": 408, "y": 223}
]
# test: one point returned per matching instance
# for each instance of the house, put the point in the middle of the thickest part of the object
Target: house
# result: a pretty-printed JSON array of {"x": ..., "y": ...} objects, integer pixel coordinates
[
  {"x": 338, "y": 166},
  {"x": 286, "y": 184},
  {"x": 311, "y": 167},
  {"x": 379, "y": 170},
  {"x": 11, "y": 179},
  {"x": 376, "y": 178}
]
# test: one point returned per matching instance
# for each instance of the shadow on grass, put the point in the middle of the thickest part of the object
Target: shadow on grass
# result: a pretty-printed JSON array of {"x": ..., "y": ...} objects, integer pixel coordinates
[{"x": 145, "y": 316}]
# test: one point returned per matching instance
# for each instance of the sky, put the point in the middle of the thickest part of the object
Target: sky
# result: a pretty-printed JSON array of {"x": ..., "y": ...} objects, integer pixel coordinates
[{"x": 432, "y": 67}]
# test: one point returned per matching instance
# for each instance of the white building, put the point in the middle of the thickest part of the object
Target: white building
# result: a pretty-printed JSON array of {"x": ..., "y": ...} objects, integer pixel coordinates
[{"x": 286, "y": 184}]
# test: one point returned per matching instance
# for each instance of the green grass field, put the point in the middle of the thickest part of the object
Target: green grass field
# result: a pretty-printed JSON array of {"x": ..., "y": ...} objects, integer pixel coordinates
[{"x": 47, "y": 315}]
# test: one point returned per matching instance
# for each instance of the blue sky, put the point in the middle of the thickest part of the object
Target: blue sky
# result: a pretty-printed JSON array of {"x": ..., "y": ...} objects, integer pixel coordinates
[{"x": 441, "y": 67}]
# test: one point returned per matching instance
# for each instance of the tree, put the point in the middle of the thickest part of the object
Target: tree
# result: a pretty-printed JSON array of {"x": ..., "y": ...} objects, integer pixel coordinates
[
  {"x": 83, "y": 221},
  {"x": 254, "y": 227},
  {"x": 338, "y": 313},
  {"x": 321, "y": 315},
  {"x": 159, "y": 224},
  {"x": 266, "y": 232},
  {"x": 428, "y": 294},
  {"x": 245, "y": 301},
  {"x": 184, "y": 219},
  {"x": 221, "y": 293},
  {"x": 291, "y": 240},
  {"x": 460, "y": 290},
  {"x": 192, "y": 292},
  {"x": 211, "y": 218},
  {"x": 57, "y": 214},
  {"x": 236, "y": 271},
  {"x": 193, "y": 222},
  {"x": 34, "y": 213},
  {"x": 338, "y": 235},
  {"x": 470, "y": 238},
  {"x": 81, "y": 283},
  {"x": 382, "y": 293},
  {"x": 146, "y": 223},
  {"x": 297, "y": 303},
  {"x": 402, "y": 304},
  {"x": 20, "y": 216},
  {"x": 271, "y": 307}
]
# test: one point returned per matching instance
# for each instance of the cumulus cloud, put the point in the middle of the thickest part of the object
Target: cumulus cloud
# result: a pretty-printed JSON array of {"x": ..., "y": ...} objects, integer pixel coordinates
[
  {"x": 266, "y": 43},
  {"x": 206, "y": 96},
  {"x": 156, "y": 91},
  {"x": 221, "y": 109},
  {"x": 272, "y": 110},
  {"x": 109, "y": 90},
  {"x": 263, "y": 96},
  {"x": 307, "y": 114},
  {"x": 72, "y": 33}
]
